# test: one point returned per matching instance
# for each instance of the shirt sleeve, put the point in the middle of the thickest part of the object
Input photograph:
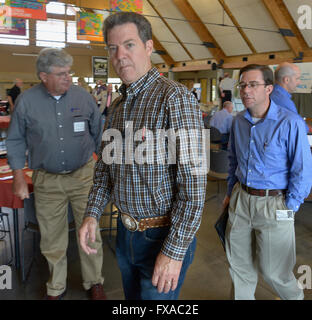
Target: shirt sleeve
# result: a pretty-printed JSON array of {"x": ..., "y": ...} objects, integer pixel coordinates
[
  {"x": 16, "y": 141},
  {"x": 300, "y": 171},
  {"x": 185, "y": 116},
  {"x": 232, "y": 179}
]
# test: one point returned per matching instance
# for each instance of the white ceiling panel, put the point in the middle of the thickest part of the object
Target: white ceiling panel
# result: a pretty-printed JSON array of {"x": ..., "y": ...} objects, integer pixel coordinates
[
  {"x": 294, "y": 8},
  {"x": 220, "y": 26},
  {"x": 156, "y": 58},
  {"x": 258, "y": 25},
  {"x": 198, "y": 51},
  {"x": 180, "y": 27}
]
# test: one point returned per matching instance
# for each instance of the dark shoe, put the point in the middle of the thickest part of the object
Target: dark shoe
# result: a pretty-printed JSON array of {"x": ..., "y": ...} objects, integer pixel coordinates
[
  {"x": 97, "y": 292},
  {"x": 59, "y": 297}
]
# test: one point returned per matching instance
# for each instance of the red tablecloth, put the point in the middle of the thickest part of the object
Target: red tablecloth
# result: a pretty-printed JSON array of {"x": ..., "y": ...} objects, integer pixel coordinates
[
  {"x": 7, "y": 198},
  {"x": 4, "y": 122}
]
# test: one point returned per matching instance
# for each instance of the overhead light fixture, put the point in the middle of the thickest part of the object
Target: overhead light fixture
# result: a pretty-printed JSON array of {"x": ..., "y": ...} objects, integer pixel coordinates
[
  {"x": 286, "y": 32},
  {"x": 209, "y": 44},
  {"x": 25, "y": 54},
  {"x": 160, "y": 52}
]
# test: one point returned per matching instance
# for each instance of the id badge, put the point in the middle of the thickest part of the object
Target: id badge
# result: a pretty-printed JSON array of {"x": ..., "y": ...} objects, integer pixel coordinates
[
  {"x": 284, "y": 215},
  {"x": 79, "y": 126}
]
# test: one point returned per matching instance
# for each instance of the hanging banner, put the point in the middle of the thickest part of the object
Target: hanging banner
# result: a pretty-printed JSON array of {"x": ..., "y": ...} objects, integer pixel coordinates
[
  {"x": 26, "y": 9},
  {"x": 100, "y": 68},
  {"x": 89, "y": 26},
  {"x": 127, "y": 5},
  {"x": 12, "y": 26}
]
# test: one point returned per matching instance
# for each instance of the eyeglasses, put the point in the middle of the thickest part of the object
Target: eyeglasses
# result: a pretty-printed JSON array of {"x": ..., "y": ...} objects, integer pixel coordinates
[
  {"x": 250, "y": 85},
  {"x": 63, "y": 74}
]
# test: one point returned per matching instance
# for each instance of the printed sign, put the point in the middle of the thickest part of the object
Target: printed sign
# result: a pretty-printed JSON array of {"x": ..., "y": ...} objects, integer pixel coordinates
[{"x": 100, "y": 68}]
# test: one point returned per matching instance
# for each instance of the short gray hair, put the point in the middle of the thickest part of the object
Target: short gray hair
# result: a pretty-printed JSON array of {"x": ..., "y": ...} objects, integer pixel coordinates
[
  {"x": 143, "y": 25},
  {"x": 283, "y": 71},
  {"x": 52, "y": 57}
]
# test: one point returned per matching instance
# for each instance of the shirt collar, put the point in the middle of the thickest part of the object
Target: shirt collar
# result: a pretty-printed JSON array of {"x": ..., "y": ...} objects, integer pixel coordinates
[
  {"x": 144, "y": 82},
  {"x": 44, "y": 89},
  {"x": 272, "y": 113},
  {"x": 279, "y": 88}
]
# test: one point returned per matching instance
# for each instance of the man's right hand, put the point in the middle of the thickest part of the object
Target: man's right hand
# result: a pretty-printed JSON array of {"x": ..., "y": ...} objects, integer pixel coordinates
[
  {"x": 20, "y": 188},
  {"x": 87, "y": 233}
]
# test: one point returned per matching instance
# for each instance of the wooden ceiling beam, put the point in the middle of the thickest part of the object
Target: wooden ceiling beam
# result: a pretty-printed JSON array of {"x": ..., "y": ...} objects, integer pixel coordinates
[
  {"x": 170, "y": 29},
  {"x": 236, "y": 24},
  {"x": 273, "y": 6},
  {"x": 166, "y": 57},
  {"x": 292, "y": 23},
  {"x": 199, "y": 27},
  {"x": 236, "y": 62}
]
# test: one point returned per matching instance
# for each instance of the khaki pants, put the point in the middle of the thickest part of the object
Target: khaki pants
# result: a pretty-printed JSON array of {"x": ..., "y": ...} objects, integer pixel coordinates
[
  {"x": 52, "y": 194},
  {"x": 255, "y": 239}
]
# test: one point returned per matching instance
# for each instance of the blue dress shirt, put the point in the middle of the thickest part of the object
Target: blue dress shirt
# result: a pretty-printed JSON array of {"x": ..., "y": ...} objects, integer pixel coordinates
[
  {"x": 283, "y": 98},
  {"x": 222, "y": 120},
  {"x": 274, "y": 153}
]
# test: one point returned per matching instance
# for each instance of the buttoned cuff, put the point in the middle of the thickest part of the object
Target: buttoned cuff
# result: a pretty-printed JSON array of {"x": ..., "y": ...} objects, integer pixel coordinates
[
  {"x": 175, "y": 249},
  {"x": 292, "y": 204}
]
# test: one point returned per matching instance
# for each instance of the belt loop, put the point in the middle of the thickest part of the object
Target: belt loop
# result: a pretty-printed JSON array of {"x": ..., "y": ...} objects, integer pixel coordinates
[{"x": 267, "y": 192}]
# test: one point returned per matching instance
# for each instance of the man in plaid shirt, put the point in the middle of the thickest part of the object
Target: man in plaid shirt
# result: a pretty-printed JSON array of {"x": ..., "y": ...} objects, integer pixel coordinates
[{"x": 160, "y": 194}]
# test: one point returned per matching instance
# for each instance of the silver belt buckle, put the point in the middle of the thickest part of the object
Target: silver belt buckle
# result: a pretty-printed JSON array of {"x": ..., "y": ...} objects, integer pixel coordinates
[{"x": 129, "y": 222}]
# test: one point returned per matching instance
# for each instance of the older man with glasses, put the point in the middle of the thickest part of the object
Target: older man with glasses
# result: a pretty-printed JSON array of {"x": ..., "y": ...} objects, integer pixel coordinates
[
  {"x": 60, "y": 126},
  {"x": 270, "y": 175}
]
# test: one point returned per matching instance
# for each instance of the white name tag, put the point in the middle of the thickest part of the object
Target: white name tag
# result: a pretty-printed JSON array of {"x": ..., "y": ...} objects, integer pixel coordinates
[
  {"x": 79, "y": 126},
  {"x": 284, "y": 215}
]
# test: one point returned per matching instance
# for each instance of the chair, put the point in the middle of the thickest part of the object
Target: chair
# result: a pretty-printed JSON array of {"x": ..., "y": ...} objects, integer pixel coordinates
[
  {"x": 215, "y": 136},
  {"x": 4, "y": 231},
  {"x": 31, "y": 225},
  {"x": 219, "y": 165}
]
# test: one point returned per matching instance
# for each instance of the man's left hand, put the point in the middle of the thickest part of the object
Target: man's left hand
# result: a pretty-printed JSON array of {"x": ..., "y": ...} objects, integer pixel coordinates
[{"x": 166, "y": 273}]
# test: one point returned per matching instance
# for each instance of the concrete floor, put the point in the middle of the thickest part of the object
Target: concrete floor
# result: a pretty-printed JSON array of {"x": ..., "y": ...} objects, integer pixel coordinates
[{"x": 207, "y": 278}]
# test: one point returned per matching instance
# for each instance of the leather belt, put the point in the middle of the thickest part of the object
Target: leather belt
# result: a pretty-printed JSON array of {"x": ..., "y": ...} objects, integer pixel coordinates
[
  {"x": 263, "y": 192},
  {"x": 131, "y": 224}
]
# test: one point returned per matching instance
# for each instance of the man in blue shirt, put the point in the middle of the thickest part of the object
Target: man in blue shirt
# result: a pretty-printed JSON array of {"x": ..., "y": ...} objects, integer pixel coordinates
[
  {"x": 270, "y": 175},
  {"x": 287, "y": 78},
  {"x": 222, "y": 120}
]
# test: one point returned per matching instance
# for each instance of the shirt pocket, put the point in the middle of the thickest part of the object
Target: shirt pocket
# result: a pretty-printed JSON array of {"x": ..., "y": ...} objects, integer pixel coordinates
[{"x": 79, "y": 125}]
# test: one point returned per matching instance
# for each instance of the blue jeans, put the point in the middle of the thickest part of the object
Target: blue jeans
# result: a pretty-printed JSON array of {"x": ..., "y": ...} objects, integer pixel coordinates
[{"x": 136, "y": 255}]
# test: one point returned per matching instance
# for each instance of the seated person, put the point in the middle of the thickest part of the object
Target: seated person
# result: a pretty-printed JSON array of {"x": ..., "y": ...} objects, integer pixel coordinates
[{"x": 222, "y": 120}]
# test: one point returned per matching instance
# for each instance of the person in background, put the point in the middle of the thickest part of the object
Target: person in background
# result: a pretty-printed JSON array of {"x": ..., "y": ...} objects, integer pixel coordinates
[
  {"x": 13, "y": 93},
  {"x": 160, "y": 206},
  {"x": 116, "y": 89},
  {"x": 82, "y": 83},
  {"x": 226, "y": 88},
  {"x": 270, "y": 175},
  {"x": 195, "y": 93},
  {"x": 107, "y": 97},
  {"x": 98, "y": 90},
  {"x": 287, "y": 78},
  {"x": 222, "y": 120},
  {"x": 59, "y": 125}
]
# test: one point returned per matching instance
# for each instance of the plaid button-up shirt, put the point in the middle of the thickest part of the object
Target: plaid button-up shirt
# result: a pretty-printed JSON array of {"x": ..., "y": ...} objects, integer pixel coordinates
[{"x": 156, "y": 186}]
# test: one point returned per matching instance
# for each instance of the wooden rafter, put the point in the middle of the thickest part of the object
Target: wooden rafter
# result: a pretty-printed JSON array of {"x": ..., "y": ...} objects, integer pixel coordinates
[
  {"x": 166, "y": 57},
  {"x": 273, "y": 6},
  {"x": 236, "y": 24},
  {"x": 199, "y": 27},
  {"x": 293, "y": 24},
  {"x": 170, "y": 29}
]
